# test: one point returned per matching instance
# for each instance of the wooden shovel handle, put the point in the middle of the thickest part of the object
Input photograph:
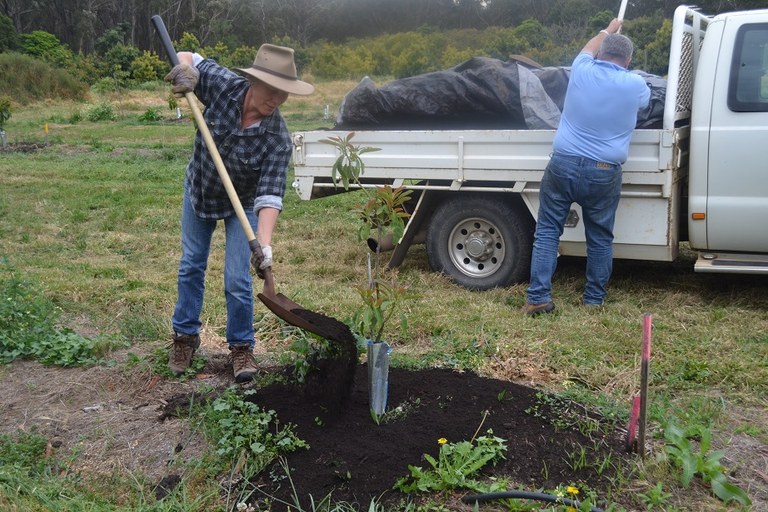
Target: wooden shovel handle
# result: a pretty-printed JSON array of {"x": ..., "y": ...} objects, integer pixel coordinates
[{"x": 202, "y": 126}]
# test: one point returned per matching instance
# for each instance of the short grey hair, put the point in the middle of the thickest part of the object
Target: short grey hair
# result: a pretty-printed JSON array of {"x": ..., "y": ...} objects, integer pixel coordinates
[{"x": 616, "y": 46}]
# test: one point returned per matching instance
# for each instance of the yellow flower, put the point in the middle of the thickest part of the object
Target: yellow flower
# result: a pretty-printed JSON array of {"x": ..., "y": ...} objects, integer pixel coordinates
[
  {"x": 572, "y": 490},
  {"x": 571, "y": 509},
  {"x": 442, "y": 440}
]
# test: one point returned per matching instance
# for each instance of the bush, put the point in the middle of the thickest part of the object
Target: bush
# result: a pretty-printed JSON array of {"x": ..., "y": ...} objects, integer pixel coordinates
[
  {"x": 5, "y": 110},
  {"x": 120, "y": 57},
  {"x": 9, "y": 39},
  {"x": 152, "y": 114},
  {"x": 101, "y": 112},
  {"x": 148, "y": 67},
  {"x": 188, "y": 43},
  {"x": 47, "y": 47},
  {"x": 26, "y": 79}
]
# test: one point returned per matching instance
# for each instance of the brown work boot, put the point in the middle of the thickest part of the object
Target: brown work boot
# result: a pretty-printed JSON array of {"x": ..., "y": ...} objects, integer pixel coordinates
[
  {"x": 243, "y": 363},
  {"x": 183, "y": 348},
  {"x": 537, "y": 309}
]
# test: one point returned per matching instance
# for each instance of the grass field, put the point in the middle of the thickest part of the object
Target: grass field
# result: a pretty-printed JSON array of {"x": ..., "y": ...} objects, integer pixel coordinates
[{"x": 93, "y": 218}]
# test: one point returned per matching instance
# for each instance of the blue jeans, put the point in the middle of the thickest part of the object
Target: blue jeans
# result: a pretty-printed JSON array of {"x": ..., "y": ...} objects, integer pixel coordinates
[
  {"x": 196, "y": 234},
  {"x": 596, "y": 187}
]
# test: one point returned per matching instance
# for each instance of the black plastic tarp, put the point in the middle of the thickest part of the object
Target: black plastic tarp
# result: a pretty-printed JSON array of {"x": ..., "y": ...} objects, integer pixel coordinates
[{"x": 481, "y": 93}]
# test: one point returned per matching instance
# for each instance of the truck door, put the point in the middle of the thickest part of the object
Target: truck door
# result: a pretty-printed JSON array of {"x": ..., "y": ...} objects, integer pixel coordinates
[{"x": 737, "y": 163}]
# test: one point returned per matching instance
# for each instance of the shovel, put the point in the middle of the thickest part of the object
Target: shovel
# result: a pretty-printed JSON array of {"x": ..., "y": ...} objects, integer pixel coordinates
[{"x": 278, "y": 303}]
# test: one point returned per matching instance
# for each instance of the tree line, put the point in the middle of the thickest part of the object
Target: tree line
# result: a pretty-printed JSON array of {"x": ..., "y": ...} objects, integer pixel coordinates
[
  {"x": 97, "y": 39},
  {"x": 79, "y": 24}
]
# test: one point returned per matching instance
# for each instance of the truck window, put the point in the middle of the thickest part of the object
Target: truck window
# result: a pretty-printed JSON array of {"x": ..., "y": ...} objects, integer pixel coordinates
[{"x": 748, "y": 87}]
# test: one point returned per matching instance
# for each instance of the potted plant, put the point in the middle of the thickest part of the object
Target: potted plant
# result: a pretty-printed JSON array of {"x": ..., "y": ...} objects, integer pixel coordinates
[{"x": 382, "y": 214}]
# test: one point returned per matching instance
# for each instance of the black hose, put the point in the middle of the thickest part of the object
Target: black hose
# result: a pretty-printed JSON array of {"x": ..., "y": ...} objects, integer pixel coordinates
[{"x": 490, "y": 496}]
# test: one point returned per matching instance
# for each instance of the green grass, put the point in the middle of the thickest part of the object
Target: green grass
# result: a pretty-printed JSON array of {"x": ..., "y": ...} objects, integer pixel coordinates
[{"x": 93, "y": 219}]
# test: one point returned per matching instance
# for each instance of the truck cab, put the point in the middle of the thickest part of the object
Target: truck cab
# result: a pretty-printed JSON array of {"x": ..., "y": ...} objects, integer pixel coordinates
[{"x": 728, "y": 172}]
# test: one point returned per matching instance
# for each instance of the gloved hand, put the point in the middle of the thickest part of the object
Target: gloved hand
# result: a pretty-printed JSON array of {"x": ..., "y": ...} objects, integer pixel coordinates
[
  {"x": 183, "y": 77},
  {"x": 263, "y": 261}
]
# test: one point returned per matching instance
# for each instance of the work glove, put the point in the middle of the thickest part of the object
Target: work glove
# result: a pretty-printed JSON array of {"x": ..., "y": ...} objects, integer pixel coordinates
[
  {"x": 183, "y": 78},
  {"x": 263, "y": 261}
]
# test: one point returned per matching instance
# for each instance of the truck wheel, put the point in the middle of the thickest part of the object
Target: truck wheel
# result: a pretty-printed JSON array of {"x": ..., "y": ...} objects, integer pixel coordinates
[{"x": 481, "y": 242}]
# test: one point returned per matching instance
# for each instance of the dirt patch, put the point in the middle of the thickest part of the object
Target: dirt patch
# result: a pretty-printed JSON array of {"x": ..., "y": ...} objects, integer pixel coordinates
[
  {"x": 115, "y": 420},
  {"x": 22, "y": 147}
]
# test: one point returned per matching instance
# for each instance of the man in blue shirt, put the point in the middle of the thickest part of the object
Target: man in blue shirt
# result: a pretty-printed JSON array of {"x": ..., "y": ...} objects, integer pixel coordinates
[
  {"x": 255, "y": 146},
  {"x": 591, "y": 143}
]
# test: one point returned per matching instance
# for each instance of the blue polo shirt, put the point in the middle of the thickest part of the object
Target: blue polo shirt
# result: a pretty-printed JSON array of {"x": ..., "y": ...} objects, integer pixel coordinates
[{"x": 600, "y": 110}]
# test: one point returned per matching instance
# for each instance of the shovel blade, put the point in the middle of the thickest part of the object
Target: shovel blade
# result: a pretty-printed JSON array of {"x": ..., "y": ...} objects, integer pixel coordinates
[{"x": 286, "y": 309}]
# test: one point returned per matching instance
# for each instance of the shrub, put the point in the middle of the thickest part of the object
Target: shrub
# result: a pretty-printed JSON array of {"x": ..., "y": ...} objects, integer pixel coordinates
[
  {"x": 9, "y": 39},
  {"x": 242, "y": 56},
  {"x": 47, "y": 47},
  {"x": 188, "y": 43},
  {"x": 26, "y": 79},
  {"x": 151, "y": 115},
  {"x": 5, "y": 110},
  {"x": 148, "y": 67},
  {"x": 101, "y": 112},
  {"x": 120, "y": 57}
]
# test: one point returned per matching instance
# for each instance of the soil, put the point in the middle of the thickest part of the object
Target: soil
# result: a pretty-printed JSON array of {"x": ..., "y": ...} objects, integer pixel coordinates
[
  {"x": 124, "y": 420},
  {"x": 22, "y": 147}
]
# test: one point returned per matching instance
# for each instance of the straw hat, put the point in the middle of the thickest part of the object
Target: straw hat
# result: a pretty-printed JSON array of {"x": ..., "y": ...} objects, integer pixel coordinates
[{"x": 274, "y": 65}]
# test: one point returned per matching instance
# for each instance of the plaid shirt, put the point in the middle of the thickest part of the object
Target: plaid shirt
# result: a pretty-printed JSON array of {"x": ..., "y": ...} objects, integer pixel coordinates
[{"x": 256, "y": 158}]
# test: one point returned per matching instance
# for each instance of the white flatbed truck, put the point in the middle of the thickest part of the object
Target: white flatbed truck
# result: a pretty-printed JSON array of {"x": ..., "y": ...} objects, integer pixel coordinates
[{"x": 702, "y": 177}]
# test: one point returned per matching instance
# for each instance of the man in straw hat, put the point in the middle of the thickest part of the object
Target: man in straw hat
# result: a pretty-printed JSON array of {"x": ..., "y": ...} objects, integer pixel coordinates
[{"x": 255, "y": 146}]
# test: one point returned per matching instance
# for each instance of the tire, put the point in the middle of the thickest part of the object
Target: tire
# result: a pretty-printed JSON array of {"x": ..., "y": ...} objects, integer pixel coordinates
[{"x": 481, "y": 242}]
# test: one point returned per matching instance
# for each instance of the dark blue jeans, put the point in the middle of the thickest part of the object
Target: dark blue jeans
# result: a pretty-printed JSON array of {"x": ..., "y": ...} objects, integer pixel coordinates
[
  {"x": 596, "y": 187},
  {"x": 196, "y": 234}
]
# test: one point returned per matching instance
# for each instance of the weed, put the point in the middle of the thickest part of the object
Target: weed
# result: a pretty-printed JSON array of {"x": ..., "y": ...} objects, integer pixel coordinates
[
  {"x": 28, "y": 329},
  {"x": 577, "y": 459},
  {"x": 101, "y": 112},
  {"x": 655, "y": 496},
  {"x": 151, "y": 115},
  {"x": 242, "y": 428},
  {"x": 704, "y": 462},
  {"x": 455, "y": 466}
]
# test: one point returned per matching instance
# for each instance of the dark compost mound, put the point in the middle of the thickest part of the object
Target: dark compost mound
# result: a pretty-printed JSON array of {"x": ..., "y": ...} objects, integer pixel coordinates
[{"x": 355, "y": 460}]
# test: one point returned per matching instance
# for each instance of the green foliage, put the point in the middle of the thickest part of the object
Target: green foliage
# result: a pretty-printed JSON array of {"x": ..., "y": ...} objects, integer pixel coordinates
[
  {"x": 382, "y": 215},
  {"x": 151, "y": 115},
  {"x": 47, "y": 47},
  {"x": 655, "y": 497},
  {"x": 24, "y": 451},
  {"x": 26, "y": 79},
  {"x": 703, "y": 462},
  {"x": 455, "y": 466},
  {"x": 5, "y": 110},
  {"x": 189, "y": 43},
  {"x": 533, "y": 33},
  {"x": 415, "y": 58},
  {"x": 349, "y": 165},
  {"x": 119, "y": 58},
  {"x": 102, "y": 112},
  {"x": 218, "y": 52},
  {"x": 9, "y": 39},
  {"x": 242, "y": 429},
  {"x": 28, "y": 329},
  {"x": 242, "y": 56},
  {"x": 335, "y": 62},
  {"x": 148, "y": 67},
  {"x": 111, "y": 38}
]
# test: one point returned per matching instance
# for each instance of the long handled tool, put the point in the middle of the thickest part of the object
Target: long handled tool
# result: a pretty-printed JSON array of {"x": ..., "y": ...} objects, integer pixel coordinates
[{"x": 278, "y": 303}]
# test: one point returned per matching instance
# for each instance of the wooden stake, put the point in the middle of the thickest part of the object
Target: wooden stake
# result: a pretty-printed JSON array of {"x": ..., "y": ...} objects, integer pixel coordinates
[{"x": 644, "y": 368}]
